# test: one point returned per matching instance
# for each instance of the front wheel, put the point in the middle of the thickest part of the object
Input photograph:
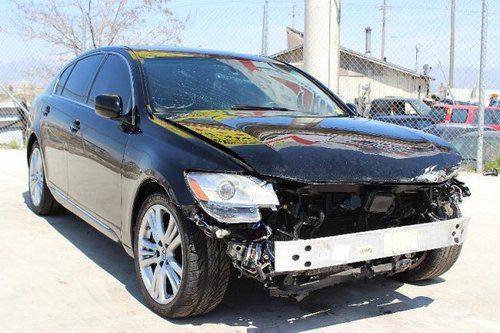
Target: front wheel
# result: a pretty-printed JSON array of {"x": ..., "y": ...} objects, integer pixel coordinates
[
  {"x": 433, "y": 263},
  {"x": 181, "y": 271}
]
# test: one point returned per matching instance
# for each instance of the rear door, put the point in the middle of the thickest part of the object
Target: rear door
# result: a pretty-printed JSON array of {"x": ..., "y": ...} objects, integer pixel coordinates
[
  {"x": 95, "y": 177},
  {"x": 55, "y": 115},
  {"x": 75, "y": 94}
]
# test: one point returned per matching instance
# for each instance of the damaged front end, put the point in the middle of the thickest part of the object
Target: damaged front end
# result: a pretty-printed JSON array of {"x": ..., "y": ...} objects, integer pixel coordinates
[{"x": 296, "y": 238}]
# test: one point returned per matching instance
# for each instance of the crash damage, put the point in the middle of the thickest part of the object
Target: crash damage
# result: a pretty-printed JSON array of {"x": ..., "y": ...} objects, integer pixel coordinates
[{"x": 324, "y": 234}]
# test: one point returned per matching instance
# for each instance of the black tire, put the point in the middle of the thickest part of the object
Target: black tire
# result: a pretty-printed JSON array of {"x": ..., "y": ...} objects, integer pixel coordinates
[
  {"x": 433, "y": 263},
  {"x": 47, "y": 205},
  {"x": 206, "y": 267}
]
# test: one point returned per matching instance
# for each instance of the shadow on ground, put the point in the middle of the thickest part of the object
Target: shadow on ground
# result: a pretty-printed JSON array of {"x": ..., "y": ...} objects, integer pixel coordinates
[{"x": 246, "y": 303}]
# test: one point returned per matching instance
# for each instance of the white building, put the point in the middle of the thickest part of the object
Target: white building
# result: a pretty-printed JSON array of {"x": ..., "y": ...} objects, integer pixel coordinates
[{"x": 363, "y": 77}]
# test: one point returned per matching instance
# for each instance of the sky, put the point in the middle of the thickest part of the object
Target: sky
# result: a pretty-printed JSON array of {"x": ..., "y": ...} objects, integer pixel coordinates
[{"x": 237, "y": 26}]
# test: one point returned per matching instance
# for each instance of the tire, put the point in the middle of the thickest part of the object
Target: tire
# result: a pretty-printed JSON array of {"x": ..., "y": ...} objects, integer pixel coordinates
[
  {"x": 41, "y": 200},
  {"x": 433, "y": 263},
  {"x": 205, "y": 269}
]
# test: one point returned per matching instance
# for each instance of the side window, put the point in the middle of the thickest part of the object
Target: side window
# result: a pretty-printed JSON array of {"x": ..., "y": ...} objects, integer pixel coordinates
[
  {"x": 459, "y": 116},
  {"x": 113, "y": 79},
  {"x": 77, "y": 86},
  {"x": 63, "y": 78}
]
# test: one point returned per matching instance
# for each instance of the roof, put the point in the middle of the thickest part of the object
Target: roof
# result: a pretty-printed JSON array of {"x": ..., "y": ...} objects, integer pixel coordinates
[
  {"x": 185, "y": 51},
  {"x": 295, "y": 43},
  {"x": 360, "y": 56}
]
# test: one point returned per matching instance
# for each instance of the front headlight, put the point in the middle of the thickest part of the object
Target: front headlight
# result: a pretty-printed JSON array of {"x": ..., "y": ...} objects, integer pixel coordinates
[{"x": 231, "y": 198}]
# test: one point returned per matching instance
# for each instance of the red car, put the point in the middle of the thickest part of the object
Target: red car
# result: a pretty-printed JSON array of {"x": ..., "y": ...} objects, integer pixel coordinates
[{"x": 465, "y": 114}]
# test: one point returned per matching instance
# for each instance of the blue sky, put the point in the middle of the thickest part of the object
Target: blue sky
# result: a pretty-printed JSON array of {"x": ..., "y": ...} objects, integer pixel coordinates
[{"x": 236, "y": 25}]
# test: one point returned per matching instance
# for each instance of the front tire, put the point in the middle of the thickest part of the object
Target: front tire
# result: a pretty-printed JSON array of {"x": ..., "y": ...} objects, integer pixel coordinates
[
  {"x": 181, "y": 272},
  {"x": 42, "y": 201},
  {"x": 433, "y": 263}
]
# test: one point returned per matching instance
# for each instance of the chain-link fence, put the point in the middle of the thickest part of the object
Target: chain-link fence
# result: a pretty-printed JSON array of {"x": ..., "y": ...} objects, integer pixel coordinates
[{"x": 415, "y": 64}]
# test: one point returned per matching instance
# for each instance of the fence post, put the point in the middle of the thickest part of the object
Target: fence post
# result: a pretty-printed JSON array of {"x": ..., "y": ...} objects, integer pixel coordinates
[{"x": 482, "y": 66}]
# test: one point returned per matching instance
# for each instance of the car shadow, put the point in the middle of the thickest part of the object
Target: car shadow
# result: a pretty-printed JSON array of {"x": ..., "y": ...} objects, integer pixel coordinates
[{"x": 247, "y": 304}]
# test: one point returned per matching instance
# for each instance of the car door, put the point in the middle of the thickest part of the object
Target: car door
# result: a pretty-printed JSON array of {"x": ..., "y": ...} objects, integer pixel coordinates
[
  {"x": 95, "y": 178},
  {"x": 55, "y": 116}
]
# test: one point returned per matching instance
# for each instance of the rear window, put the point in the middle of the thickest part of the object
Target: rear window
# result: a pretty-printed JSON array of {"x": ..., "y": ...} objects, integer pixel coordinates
[
  {"x": 78, "y": 84},
  {"x": 459, "y": 116},
  {"x": 62, "y": 79}
]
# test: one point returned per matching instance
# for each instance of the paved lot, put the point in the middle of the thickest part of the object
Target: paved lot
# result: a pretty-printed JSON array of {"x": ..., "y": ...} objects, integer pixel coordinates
[{"x": 58, "y": 274}]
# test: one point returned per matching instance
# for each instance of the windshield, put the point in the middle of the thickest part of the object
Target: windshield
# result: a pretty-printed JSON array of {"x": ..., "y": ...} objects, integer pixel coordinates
[
  {"x": 185, "y": 84},
  {"x": 491, "y": 117},
  {"x": 421, "y": 107}
]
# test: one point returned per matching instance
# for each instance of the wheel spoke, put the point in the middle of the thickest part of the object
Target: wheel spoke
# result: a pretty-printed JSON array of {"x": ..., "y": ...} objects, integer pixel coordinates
[
  {"x": 171, "y": 232},
  {"x": 174, "y": 244},
  {"x": 175, "y": 265},
  {"x": 154, "y": 283},
  {"x": 147, "y": 244},
  {"x": 173, "y": 278},
  {"x": 148, "y": 253},
  {"x": 157, "y": 224},
  {"x": 144, "y": 262}
]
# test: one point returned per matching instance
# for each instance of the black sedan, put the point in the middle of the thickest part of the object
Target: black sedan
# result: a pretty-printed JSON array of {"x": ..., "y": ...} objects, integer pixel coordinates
[{"x": 199, "y": 162}]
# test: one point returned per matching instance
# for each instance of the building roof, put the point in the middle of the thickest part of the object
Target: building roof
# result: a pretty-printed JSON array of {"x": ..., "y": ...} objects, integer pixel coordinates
[{"x": 295, "y": 45}]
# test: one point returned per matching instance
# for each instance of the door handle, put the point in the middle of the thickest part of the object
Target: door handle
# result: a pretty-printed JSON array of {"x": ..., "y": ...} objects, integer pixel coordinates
[
  {"x": 74, "y": 126},
  {"x": 46, "y": 111}
]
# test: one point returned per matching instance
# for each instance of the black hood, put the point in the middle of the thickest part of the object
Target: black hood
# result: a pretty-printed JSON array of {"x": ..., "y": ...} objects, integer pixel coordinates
[{"x": 325, "y": 149}]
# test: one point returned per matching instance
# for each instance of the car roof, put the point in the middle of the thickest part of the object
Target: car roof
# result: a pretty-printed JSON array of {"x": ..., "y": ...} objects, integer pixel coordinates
[
  {"x": 172, "y": 51},
  {"x": 394, "y": 98}
]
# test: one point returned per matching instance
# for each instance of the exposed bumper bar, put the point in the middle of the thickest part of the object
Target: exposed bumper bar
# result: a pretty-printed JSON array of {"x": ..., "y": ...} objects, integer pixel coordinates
[{"x": 314, "y": 253}]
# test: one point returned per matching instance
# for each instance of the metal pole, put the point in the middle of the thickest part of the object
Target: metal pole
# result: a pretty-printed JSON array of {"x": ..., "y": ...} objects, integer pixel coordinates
[
  {"x": 382, "y": 51},
  {"x": 452, "y": 43},
  {"x": 265, "y": 28},
  {"x": 417, "y": 48},
  {"x": 482, "y": 66}
]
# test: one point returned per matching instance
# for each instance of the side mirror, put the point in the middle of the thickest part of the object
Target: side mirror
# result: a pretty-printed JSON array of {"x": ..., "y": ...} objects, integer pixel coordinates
[{"x": 108, "y": 106}]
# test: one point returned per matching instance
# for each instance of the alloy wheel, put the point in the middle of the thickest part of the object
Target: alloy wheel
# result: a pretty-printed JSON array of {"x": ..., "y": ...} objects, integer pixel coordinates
[
  {"x": 36, "y": 178},
  {"x": 160, "y": 253}
]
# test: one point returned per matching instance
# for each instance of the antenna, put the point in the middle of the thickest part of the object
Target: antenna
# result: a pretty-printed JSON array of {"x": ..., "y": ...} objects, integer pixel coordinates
[
  {"x": 265, "y": 28},
  {"x": 293, "y": 14}
]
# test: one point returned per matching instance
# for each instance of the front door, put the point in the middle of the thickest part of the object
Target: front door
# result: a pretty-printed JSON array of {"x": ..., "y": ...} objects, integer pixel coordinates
[{"x": 95, "y": 175}]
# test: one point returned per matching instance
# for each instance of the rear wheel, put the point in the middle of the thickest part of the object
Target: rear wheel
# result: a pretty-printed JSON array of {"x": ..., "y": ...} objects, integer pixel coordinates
[
  {"x": 181, "y": 271},
  {"x": 433, "y": 263},
  {"x": 42, "y": 201}
]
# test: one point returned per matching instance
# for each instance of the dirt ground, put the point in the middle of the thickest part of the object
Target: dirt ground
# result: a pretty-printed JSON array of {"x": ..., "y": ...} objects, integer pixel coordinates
[{"x": 58, "y": 274}]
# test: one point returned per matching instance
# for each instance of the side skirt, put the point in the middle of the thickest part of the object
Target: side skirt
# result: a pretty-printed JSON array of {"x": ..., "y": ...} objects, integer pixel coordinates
[{"x": 82, "y": 213}]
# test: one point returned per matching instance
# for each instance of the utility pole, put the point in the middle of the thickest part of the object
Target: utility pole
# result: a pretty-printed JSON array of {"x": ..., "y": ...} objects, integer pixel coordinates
[
  {"x": 293, "y": 14},
  {"x": 265, "y": 28},
  {"x": 321, "y": 41},
  {"x": 417, "y": 49},
  {"x": 382, "y": 52},
  {"x": 482, "y": 66},
  {"x": 452, "y": 43}
]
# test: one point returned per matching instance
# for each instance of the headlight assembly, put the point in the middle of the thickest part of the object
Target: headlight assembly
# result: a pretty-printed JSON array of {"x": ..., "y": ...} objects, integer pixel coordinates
[{"x": 231, "y": 198}]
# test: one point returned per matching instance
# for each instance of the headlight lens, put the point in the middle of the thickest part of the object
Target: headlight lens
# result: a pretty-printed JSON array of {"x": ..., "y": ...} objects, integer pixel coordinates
[{"x": 232, "y": 198}]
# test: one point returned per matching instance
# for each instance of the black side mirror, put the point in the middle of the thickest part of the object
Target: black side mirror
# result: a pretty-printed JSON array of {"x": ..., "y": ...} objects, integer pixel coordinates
[{"x": 108, "y": 106}]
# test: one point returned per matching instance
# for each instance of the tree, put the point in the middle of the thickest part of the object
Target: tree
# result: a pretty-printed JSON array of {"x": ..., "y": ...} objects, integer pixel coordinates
[{"x": 73, "y": 26}]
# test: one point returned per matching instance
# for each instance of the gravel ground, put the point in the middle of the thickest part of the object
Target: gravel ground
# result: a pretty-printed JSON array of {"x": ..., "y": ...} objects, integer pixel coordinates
[{"x": 58, "y": 274}]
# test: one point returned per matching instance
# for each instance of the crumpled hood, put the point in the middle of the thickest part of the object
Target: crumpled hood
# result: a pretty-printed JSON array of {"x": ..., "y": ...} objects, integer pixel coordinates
[{"x": 326, "y": 149}]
